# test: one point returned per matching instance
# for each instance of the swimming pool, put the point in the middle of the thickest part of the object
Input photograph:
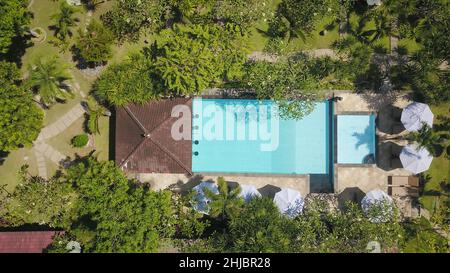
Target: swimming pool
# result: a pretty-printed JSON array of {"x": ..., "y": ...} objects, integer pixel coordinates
[
  {"x": 248, "y": 136},
  {"x": 356, "y": 139}
]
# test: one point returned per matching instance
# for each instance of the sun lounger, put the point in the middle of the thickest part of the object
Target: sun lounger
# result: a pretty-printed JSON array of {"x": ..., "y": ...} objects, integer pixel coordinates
[
  {"x": 411, "y": 181},
  {"x": 401, "y": 186}
]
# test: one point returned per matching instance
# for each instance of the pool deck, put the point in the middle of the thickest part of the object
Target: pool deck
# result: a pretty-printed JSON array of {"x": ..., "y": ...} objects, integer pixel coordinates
[
  {"x": 348, "y": 178},
  {"x": 266, "y": 184},
  {"x": 352, "y": 179}
]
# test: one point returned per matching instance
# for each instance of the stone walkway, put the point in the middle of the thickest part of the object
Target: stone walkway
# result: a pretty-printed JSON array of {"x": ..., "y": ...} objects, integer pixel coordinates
[
  {"x": 43, "y": 150},
  {"x": 61, "y": 124},
  {"x": 42, "y": 167}
]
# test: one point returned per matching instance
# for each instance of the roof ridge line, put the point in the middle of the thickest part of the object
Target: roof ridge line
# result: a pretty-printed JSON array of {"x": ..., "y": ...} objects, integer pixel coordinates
[
  {"x": 135, "y": 119},
  {"x": 132, "y": 152},
  {"x": 169, "y": 153}
]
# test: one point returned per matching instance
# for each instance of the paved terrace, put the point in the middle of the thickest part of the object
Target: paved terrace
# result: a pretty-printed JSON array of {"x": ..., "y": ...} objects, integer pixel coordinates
[
  {"x": 268, "y": 185},
  {"x": 351, "y": 180}
]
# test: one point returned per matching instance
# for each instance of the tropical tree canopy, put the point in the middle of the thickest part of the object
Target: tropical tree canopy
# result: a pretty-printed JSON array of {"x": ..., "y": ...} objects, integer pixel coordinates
[
  {"x": 128, "y": 18},
  {"x": 125, "y": 216},
  {"x": 14, "y": 20},
  {"x": 130, "y": 81},
  {"x": 226, "y": 203},
  {"x": 47, "y": 76},
  {"x": 297, "y": 18},
  {"x": 20, "y": 118},
  {"x": 192, "y": 58},
  {"x": 95, "y": 44},
  {"x": 64, "y": 20},
  {"x": 294, "y": 83},
  {"x": 36, "y": 200}
]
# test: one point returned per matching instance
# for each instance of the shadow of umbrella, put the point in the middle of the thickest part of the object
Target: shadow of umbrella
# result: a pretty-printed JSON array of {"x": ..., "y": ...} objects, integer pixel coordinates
[
  {"x": 269, "y": 191},
  {"x": 353, "y": 194}
]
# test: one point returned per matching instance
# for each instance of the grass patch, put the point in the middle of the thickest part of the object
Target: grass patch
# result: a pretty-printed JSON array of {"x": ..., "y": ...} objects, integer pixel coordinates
[
  {"x": 11, "y": 166},
  {"x": 440, "y": 167}
]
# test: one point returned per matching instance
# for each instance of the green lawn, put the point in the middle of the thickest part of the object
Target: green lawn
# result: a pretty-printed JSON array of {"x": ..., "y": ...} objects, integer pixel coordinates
[
  {"x": 42, "y": 10},
  {"x": 440, "y": 167}
]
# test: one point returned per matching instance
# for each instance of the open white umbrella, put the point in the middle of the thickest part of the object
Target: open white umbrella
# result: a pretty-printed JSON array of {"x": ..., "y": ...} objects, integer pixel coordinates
[
  {"x": 290, "y": 202},
  {"x": 415, "y": 159},
  {"x": 383, "y": 202},
  {"x": 415, "y": 114},
  {"x": 248, "y": 192},
  {"x": 373, "y": 2},
  {"x": 201, "y": 202}
]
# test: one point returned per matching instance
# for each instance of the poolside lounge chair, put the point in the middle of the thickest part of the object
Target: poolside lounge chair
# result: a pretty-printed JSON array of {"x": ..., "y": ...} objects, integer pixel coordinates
[
  {"x": 403, "y": 191},
  {"x": 410, "y": 181},
  {"x": 403, "y": 186}
]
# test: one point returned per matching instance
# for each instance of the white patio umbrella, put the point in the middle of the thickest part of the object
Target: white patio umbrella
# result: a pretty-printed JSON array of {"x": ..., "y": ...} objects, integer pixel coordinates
[
  {"x": 415, "y": 114},
  {"x": 290, "y": 202},
  {"x": 201, "y": 202},
  {"x": 373, "y": 2},
  {"x": 415, "y": 159},
  {"x": 384, "y": 203},
  {"x": 248, "y": 192}
]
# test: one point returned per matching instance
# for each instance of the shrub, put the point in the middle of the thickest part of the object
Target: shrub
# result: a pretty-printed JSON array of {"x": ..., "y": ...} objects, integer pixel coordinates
[{"x": 80, "y": 140}]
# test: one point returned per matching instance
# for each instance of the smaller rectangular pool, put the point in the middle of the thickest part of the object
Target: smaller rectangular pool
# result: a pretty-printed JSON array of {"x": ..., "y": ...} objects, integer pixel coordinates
[{"x": 356, "y": 139}]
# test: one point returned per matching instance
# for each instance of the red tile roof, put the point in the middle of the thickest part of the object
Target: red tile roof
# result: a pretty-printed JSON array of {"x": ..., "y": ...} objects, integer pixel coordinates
[
  {"x": 143, "y": 139},
  {"x": 25, "y": 241}
]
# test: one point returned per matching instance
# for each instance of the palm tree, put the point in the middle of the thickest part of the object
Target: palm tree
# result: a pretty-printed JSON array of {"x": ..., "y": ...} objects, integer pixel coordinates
[
  {"x": 226, "y": 203},
  {"x": 94, "y": 113},
  {"x": 64, "y": 20},
  {"x": 426, "y": 138},
  {"x": 47, "y": 77}
]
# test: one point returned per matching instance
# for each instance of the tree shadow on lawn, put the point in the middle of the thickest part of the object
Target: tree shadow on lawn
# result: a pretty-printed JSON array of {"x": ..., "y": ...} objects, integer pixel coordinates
[{"x": 17, "y": 49}]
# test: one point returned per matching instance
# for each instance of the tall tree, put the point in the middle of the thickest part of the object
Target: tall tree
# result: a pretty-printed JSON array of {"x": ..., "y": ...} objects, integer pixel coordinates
[
  {"x": 133, "y": 80},
  {"x": 227, "y": 203},
  {"x": 259, "y": 227},
  {"x": 47, "y": 76},
  {"x": 127, "y": 19},
  {"x": 14, "y": 20},
  {"x": 426, "y": 138},
  {"x": 123, "y": 215},
  {"x": 20, "y": 118},
  {"x": 39, "y": 201},
  {"x": 64, "y": 20},
  {"x": 192, "y": 58},
  {"x": 292, "y": 82},
  {"x": 95, "y": 44}
]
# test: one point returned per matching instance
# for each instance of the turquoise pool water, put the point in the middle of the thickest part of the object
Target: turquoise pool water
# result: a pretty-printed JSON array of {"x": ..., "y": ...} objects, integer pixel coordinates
[
  {"x": 244, "y": 136},
  {"x": 356, "y": 139}
]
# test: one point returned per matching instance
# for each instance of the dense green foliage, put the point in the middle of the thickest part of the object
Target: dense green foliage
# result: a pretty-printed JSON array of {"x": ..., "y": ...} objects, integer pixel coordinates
[
  {"x": 430, "y": 83},
  {"x": 226, "y": 204},
  {"x": 80, "y": 140},
  {"x": 130, "y": 81},
  {"x": 64, "y": 20},
  {"x": 127, "y": 19},
  {"x": 259, "y": 227},
  {"x": 296, "y": 83},
  {"x": 421, "y": 238},
  {"x": 192, "y": 58},
  {"x": 427, "y": 138},
  {"x": 118, "y": 215},
  {"x": 20, "y": 118},
  {"x": 243, "y": 13},
  {"x": 297, "y": 18},
  {"x": 47, "y": 76},
  {"x": 14, "y": 20},
  {"x": 95, "y": 44},
  {"x": 40, "y": 201}
]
